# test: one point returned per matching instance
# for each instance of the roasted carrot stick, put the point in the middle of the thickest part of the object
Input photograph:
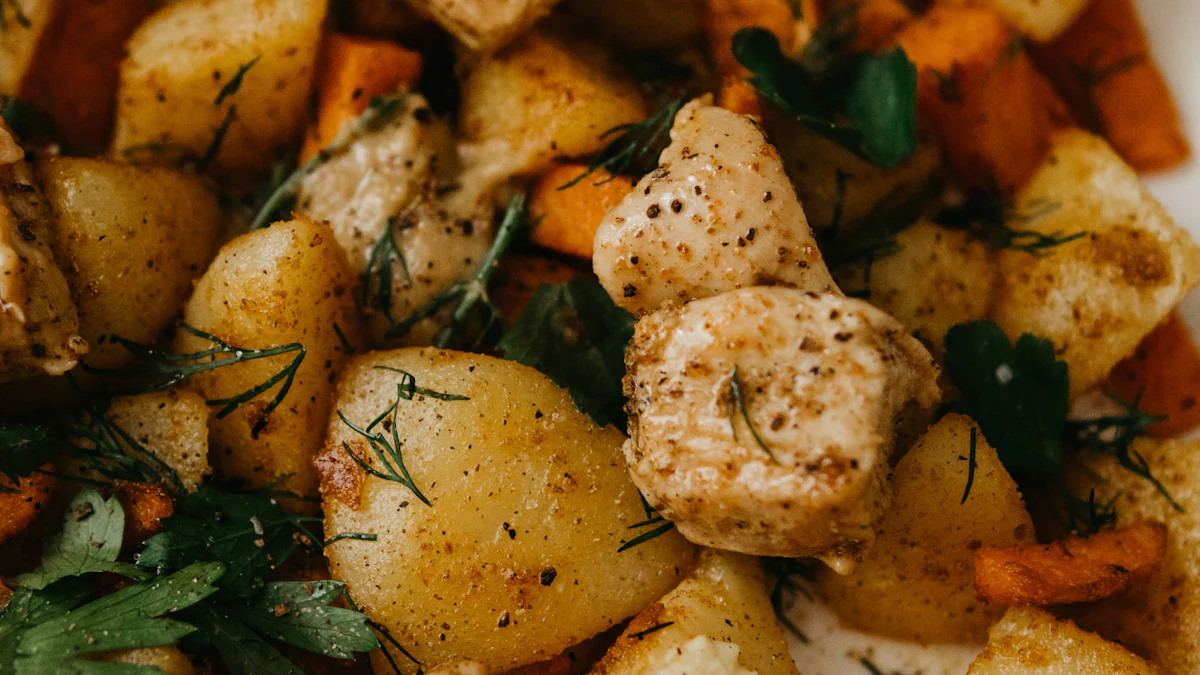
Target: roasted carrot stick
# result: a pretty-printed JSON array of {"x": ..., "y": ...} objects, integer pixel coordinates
[
  {"x": 724, "y": 18},
  {"x": 567, "y": 219},
  {"x": 1163, "y": 378},
  {"x": 980, "y": 91},
  {"x": 1103, "y": 67},
  {"x": 356, "y": 69}
]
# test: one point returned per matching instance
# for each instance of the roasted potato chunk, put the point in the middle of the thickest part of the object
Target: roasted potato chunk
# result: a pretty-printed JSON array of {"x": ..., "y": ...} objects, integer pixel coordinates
[
  {"x": 1041, "y": 20},
  {"x": 39, "y": 321},
  {"x": 286, "y": 284},
  {"x": 1160, "y": 618},
  {"x": 1096, "y": 297},
  {"x": 167, "y": 659},
  {"x": 484, "y": 25},
  {"x": 182, "y": 58},
  {"x": 718, "y": 214},
  {"x": 719, "y": 619},
  {"x": 131, "y": 241},
  {"x": 539, "y": 99},
  {"x": 936, "y": 278},
  {"x": 172, "y": 425},
  {"x": 739, "y": 429},
  {"x": 516, "y": 556},
  {"x": 18, "y": 45},
  {"x": 1033, "y": 642},
  {"x": 917, "y": 582}
]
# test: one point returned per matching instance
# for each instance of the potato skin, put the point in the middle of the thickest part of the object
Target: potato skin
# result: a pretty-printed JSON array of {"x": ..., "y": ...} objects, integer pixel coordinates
[
  {"x": 1159, "y": 619},
  {"x": 937, "y": 278},
  {"x": 538, "y": 99},
  {"x": 517, "y": 558},
  {"x": 131, "y": 241},
  {"x": 1031, "y": 641},
  {"x": 1098, "y": 296},
  {"x": 917, "y": 582},
  {"x": 287, "y": 283},
  {"x": 723, "y": 598},
  {"x": 184, "y": 54}
]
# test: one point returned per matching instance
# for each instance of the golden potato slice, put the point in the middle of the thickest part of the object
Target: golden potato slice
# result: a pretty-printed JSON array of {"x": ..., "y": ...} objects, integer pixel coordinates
[
  {"x": 1160, "y": 618},
  {"x": 171, "y": 424},
  {"x": 917, "y": 582},
  {"x": 1030, "y": 641},
  {"x": 286, "y": 284},
  {"x": 1098, "y": 296},
  {"x": 719, "y": 614},
  {"x": 131, "y": 241},
  {"x": 484, "y": 25},
  {"x": 182, "y": 57},
  {"x": 517, "y": 555}
]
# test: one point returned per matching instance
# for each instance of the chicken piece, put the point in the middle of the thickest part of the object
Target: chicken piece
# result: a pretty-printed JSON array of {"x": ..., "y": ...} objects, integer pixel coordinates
[
  {"x": 719, "y": 213},
  {"x": 1031, "y": 641},
  {"x": 39, "y": 321},
  {"x": 763, "y": 419},
  {"x": 402, "y": 177},
  {"x": 484, "y": 25}
]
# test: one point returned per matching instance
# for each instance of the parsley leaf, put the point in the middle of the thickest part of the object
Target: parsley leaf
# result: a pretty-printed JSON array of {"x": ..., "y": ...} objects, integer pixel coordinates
[
  {"x": 249, "y": 532},
  {"x": 1018, "y": 394},
  {"x": 574, "y": 334},
  {"x": 90, "y": 541},
  {"x": 865, "y": 103}
]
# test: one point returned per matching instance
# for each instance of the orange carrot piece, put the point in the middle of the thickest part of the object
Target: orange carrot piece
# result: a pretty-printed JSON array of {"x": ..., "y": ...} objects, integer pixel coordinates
[
  {"x": 1072, "y": 570},
  {"x": 979, "y": 89},
  {"x": 1103, "y": 66},
  {"x": 145, "y": 505},
  {"x": 567, "y": 219},
  {"x": 724, "y": 18},
  {"x": 738, "y": 95},
  {"x": 18, "y": 509},
  {"x": 876, "y": 21},
  {"x": 74, "y": 72},
  {"x": 356, "y": 69},
  {"x": 519, "y": 275},
  {"x": 1163, "y": 377}
]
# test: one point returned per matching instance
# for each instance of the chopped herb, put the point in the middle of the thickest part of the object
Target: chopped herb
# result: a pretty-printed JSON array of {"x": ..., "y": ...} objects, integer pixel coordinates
[
  {"x": 107, "y": 449},
  {"x": 249, "y": 532},
  {"x": 378, "y": 274},
  {"x": 1113, "y": 435},
  {"x": 218, "y": 140},
  {"x": 786, "y": 589},
  {"x": 353, "y": 536},
  {"x": 736, "y": 398},
  {"x": 970, "y": 469},
  {"x": 471, "y": 294},
  {"x": 407, "y": 388},
  {"x": 235, "y": 83},
  {"x": 166, "y": 369},
  {"x": 1087, "y": 517},
  {"x": 18, "y": 15},
  {"x": 574, "y": 334},
  {"x": 635, "y": 151},
  {"x": 874, "y": 93},
  {"x": 647, "y": 536},
  {"x": 347, "y": 348},
  {"x": 1018, "y": 394},
  {"x": 379, "y": 113},
  {"x": 653, "y": 629},
  {"x": 988, "y": 218}
]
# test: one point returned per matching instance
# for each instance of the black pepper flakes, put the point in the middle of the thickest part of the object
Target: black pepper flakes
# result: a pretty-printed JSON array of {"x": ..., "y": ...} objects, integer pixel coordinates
[
  {"x": 630, "y": 290},
  {"x": 653, "y": 211},
  {"x": 676, "y": 206},
  {"x": 547, "y": 576}
]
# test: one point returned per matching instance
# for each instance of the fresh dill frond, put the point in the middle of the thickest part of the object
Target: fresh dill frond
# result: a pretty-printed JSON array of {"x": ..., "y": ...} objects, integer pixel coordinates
[
  {"x": 1113, "y": 436},
  {"x": 1087, "y": 517},
  {"x": 379, "y": 113},
  {"x": 164, "y": 370},
  {"x": 989, "y": 218},
  {"x": 737, "y": 398},
  {"x": 641, "y": 635},
  {"x": 637, "y": 147},
  {"x": 970, "y": 468},
  {"x": 469, "y": 295},
  {"x": 106, "y": 448},
  {"x": 407, "y": 388},
  {"x": 218, "y": 140},
  {"x": 377, "y": 277},
  {"x": 786, "y": 589},
  {"x": 648, "y": 535},
  {"x": 387, "y": 636},
  {"x": 235, "y": 83},
  {"x": 353, "y": 536}
]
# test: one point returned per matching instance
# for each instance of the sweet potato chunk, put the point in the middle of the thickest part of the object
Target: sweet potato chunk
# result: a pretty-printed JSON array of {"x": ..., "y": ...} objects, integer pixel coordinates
[
  {"x": 19, "y": 507},
  {"x": 567, "y": 219},
  {"x": 1072, "y": 570},
  {"x": 1163, "y": 377}
]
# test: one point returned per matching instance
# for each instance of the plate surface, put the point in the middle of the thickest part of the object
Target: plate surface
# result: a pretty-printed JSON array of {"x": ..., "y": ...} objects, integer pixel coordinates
[{"x": 831, "y": 650}]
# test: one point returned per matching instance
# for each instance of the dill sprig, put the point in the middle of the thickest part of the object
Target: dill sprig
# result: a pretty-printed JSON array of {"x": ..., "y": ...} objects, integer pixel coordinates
[
  {"x": 652, "y": 518},
  {"x": 166, "y": 369},
  {"x": 18, "y": 15},
  {"x": 113, "y": 452},
  {"x": 786, "y": 589},
  {"x": 472, "y": 293},
  {"x": 379, "y": 113},
  {"x": 231, "y": 87},
  {"x": 389, "y": 452},
  {"x": 970, "y": 468},
  {"x": 737, "y": 402},
  {"x": 218, "y": 140},
  {"x": 352, "y": 536},
  {"x": 1113, "y": 436},
  {"x": 387, "y": 636},
  {"x": 378, "y": 274},
  {"x": 1086, "y": 517},
  {"x": 641, "y": 635},
  {"x": 987, "y": 218},
  {"x": 635, "y": 150}
]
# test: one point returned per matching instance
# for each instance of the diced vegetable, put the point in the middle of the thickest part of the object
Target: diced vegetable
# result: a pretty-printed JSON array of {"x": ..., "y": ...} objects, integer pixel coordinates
[
  {"x": 566, "y": 220},
  {"x": 1163, "y": 377}
]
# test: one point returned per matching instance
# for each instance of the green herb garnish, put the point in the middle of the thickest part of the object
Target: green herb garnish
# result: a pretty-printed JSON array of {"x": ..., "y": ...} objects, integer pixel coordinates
[
  {"x": 1113, "y": 436},
  {"x": 377, "y": 277},
  {"x": 25, "y": 448},
  {"x": 575, "y": 335},
  {"x": 786, "y": 589},
  {"x": 988, "y": 218},
  {"x": 235, "y": 83},
  {"x": 737, "y": 401},
  {"x": 970, "y": 468},
  {"x": 635, "y": 151}
]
